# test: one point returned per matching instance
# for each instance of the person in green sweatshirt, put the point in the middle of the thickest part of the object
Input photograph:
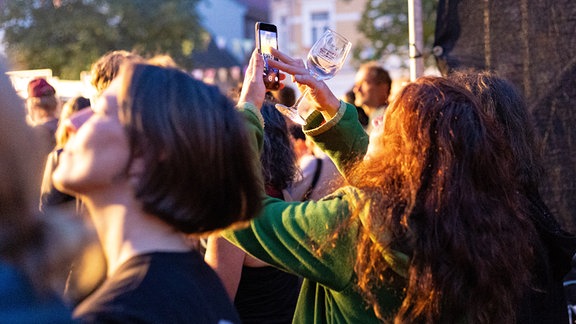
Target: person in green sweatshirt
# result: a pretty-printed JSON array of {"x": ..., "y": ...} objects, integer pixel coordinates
[{"x": 430, "y": 228}]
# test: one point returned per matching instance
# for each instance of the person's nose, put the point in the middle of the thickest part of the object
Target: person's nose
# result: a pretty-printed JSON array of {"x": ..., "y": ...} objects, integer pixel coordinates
[{"x": 77, "y": 119}]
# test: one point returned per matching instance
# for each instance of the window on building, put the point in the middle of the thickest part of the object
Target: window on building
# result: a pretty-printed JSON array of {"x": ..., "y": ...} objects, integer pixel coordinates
[{"x": 320, "y": 22}]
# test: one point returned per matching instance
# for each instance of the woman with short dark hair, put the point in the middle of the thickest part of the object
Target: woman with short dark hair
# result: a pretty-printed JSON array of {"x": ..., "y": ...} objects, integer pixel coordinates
[{"x": 160, "y": 158}]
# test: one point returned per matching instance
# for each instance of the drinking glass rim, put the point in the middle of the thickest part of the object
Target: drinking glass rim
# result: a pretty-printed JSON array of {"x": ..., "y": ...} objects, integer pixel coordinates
[{"x": 337, "y": 34}]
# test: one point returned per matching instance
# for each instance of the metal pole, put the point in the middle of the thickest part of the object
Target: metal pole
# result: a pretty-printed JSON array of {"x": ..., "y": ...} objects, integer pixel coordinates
[{"x": 415, "y": 39}]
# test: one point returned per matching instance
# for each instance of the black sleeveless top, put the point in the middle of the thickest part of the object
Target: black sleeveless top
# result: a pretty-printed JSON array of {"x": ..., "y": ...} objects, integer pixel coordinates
[{"x": 266, "y": 295}]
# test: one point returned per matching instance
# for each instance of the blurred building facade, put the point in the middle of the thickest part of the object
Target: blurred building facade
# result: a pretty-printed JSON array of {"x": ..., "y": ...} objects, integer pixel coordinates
[
  {"x": 230, "y": 24},
  {"x": 301, "y": 22}
]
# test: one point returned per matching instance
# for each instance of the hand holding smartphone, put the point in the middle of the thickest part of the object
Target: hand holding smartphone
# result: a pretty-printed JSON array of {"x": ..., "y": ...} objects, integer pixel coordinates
[{"x": 267, "y": 37}]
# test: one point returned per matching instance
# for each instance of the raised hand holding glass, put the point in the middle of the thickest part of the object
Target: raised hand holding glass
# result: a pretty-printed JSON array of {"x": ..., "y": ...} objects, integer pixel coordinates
[{"x": 324, "y": 60}]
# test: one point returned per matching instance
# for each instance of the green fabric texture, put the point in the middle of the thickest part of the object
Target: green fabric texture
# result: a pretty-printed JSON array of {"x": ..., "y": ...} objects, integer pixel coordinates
[{"x": 299, "y": 237}]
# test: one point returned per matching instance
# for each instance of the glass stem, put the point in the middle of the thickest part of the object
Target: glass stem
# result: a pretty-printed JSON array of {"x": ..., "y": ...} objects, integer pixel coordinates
[{"x": 297, "y": 103}]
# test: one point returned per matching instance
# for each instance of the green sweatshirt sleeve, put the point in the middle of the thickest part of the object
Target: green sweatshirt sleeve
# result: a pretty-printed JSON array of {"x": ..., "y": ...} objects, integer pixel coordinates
[
  {"x": 317, "y": 239},
  {"x": 299, "y": 237},
  {"x": 342, "y": 138},
  {"x": 307, "y": 239},
  {"x": 254, "y": 125}
]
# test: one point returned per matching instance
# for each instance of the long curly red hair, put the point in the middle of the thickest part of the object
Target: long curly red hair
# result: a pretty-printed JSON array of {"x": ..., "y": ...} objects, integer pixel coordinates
[{"x": 440, "y": 188}]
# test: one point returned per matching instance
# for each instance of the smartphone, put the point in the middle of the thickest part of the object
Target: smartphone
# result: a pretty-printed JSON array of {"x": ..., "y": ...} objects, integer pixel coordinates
[{"x": 266, "y": 38}]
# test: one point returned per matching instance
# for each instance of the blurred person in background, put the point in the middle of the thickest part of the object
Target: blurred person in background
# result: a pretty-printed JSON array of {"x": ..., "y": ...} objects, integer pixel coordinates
[
  {"x": 49, "y": 196},
  {"x": 318, "y": 175},
  {"x": 43, "y": 108},
  {"x": 35, "y": 249},
  {"x": 105, "y": 69},
  {"x": 350, "y": 97},
  {"x": 164, "y": 60},
  {"x": 286, "y": 96},
  {"x": 71, "y": 106},
  {"x": 372, "y": 88},
  {"x": 503, "y": 102}
]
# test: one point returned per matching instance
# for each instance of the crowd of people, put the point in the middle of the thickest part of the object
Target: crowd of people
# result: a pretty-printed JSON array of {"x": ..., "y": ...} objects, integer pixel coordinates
[{"x": 164, "y": 200}]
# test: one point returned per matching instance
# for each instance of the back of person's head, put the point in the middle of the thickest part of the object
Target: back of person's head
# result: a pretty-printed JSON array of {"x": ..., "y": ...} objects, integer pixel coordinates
[
  {"x": 296, "y": 132},
  {"x": 19, "y": 173},
  {"x": 278, "y": 158},
  {"x": 164, "y": 60},
  {"x": 38, "y": 245},
  {"x": 502, "y": 101},
  {"x": 75, "y": 104},
  {"x": 350, "y": 97},
  {"x": 105, "y": 69},
  {"x": 442, "y": 189},
  {"x": 286, "y": 96},
  {"x": 200, "y": 175},
  {"x": 42, "y": 95},
  {"x": 71, "y": 106},
  {"x": 39, "y": 87},
  {"x": 376, "y": 73}
]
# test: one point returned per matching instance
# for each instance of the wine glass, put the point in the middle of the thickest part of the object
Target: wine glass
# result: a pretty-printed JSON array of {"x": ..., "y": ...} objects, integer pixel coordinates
[{"x": 324, "y": 60}]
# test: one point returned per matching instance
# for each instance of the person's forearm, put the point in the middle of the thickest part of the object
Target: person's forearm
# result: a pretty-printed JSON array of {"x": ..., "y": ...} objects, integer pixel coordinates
[
  {"x": 226, "y": 260},
  {"x": 254, "y": 124},
  {"x": 331, "y": 109},
  {"x": 341, "y": 137}
]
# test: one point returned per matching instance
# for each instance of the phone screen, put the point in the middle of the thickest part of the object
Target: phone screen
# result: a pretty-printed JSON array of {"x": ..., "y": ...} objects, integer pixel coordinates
[{"x": 267, "y": 39}]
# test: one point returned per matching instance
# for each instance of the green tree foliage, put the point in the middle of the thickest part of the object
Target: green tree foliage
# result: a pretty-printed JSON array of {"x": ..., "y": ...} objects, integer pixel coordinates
[
  {"x": 159, "y": 27},
  {"x": 68, "y": 35},
  {"x": 385, "y": 25}
]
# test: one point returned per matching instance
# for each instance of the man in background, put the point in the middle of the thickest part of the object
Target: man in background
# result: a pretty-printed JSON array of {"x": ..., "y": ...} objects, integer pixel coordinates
[
  {"x": 372, "y": 89},
  {"x": 42, "y": 107}
]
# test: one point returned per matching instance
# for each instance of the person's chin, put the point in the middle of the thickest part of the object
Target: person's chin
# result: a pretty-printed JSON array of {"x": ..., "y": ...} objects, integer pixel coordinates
[{"x": 62, "y": 181}]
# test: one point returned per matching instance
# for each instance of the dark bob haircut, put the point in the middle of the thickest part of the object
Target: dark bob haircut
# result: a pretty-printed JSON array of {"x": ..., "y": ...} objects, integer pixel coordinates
[{"x": 200, "y": 175}]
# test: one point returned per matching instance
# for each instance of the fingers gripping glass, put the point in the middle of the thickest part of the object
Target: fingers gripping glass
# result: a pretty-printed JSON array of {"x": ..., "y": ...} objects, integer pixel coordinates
[{"x": 324, "y": 60}]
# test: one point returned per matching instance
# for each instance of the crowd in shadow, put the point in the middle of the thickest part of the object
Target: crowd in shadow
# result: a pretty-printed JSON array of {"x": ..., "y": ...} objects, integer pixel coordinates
[{"x": 163, "y": 200}]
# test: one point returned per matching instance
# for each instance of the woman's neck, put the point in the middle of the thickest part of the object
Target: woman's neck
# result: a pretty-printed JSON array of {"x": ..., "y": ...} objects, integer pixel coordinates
[{"x": 125, "y": 231}]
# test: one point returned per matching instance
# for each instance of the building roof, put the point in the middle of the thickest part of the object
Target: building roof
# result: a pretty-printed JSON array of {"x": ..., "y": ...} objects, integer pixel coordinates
[
  {"x": 261, "y": 4},
  {"x": 213, "y": 57}
]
